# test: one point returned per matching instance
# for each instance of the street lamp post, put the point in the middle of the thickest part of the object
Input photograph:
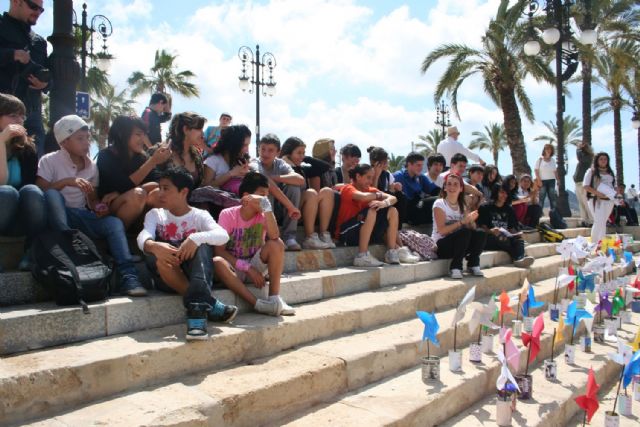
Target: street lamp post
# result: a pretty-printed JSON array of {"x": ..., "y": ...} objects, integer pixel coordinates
[
  {"x": 257, "y": 79},
  {"x": 442, "y": 117},
  {"x": 635, "y": 123},
  {"x": 559, "y": 33},
  {"x": 99, "y": 24}
]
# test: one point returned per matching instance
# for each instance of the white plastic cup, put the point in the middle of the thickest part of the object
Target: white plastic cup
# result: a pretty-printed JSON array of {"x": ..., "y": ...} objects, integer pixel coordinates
[
  {"x": 612, "y": 326},
  {"x": 570, "y": 354},
  {"x": 503, "y": 412},
  {"x": 527, "y": 324},
  {"x": 611, "y": 419},
  {"x": 455, "y": 361},
  {"x": 565, "y": 304},
  {"x": 636, "y": 388},
  {"x": 624, "y": 404},
  {"x": 487, "y": 343},
  {"x": 581, "y": 301},
  {"x": 626, "y": 317},
  {"x": 430, "y": 369},
  {"x": 585, "y": 343},
  {"x": 550, "y": 369},
  {"x": 598, "y": 333},
  {"x": 516, "y": 326},
  {"x": 475, "y": 352}
]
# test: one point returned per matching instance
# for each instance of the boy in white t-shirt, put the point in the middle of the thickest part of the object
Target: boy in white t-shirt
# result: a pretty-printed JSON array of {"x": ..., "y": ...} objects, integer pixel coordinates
[{"x": 177, "y": 240}]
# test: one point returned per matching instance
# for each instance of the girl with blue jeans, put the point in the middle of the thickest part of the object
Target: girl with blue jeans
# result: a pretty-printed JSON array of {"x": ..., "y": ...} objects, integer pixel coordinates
[
  {"x": 22, "y": 203},
  {"x": 546, "y": 176}
]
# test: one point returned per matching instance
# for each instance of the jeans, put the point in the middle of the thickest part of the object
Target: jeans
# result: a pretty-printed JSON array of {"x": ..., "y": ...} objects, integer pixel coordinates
[
  {"x": 33, "y": 125},
  {"x": 288, "y": 226},
  {"x": 22, "y": 211},
  {"x": 512, "y": 245},
  {"x": 461, "y": 243},
  {"x": 108, "y": 227},
  {"x": 548, "y": 189},
  {"x": 198, "y": 269}
]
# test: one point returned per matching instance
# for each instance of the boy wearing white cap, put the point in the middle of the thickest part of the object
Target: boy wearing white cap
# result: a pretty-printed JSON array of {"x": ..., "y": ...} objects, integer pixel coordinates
[{"x": 69, "y": 179}]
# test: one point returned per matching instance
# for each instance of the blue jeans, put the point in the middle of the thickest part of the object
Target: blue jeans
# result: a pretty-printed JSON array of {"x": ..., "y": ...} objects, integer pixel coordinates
[
  {"x": 108, "y": 227},
  {"x": 22, "y": 212},
  {"x": 548, "y": 189}
]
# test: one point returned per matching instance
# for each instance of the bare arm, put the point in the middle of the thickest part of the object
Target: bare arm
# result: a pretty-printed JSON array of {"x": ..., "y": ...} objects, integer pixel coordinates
[
  {"x": 292, "y": 178},
  {"x": 273, "y": 232}
]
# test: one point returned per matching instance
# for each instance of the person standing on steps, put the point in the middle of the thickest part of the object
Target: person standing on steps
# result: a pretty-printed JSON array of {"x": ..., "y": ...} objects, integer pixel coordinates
[
  {"x": 451, "y": 146},
  {"x": 584, "y": 154},
  {"x": 454, "y": 230},
  {"x": 599, "y": 183},
  {"x": 547, "y": 176},
  {"x": 158, "y": 112}
]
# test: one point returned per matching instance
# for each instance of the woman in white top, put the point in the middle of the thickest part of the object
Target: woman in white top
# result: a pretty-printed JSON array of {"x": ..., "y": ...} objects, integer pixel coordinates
[
  {"x": 546, "y": 176},
  {"x": 454, "y": 231},
  {"x": 599, "y": 183}
]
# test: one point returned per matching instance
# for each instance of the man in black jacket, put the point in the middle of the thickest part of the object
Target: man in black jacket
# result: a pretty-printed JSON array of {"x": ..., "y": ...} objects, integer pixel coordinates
[
  {"x": 23, "y": 62},
  {"x": 158, "y": 111}
]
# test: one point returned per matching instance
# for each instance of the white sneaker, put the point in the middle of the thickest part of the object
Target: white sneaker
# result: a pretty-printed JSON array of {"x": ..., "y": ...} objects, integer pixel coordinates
[
  {"x": 406, "y": 256},
  {"x": 292, "y": 245},
  {"x": 325, "y": 236},
  {"x": 270, "y": 307},
  {"x": 476, "y": 271},
  {"x": 456, "y": 273},
  {"x": 366, "y": 260},
  {"x": 286, "y": 309},
  {"x": 314, "y": 242},
  {"x": 391, "y": 257}
]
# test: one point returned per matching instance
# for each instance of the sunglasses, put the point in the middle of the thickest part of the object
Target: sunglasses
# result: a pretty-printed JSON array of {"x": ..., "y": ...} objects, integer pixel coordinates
[{"x": 33, "y": 6}]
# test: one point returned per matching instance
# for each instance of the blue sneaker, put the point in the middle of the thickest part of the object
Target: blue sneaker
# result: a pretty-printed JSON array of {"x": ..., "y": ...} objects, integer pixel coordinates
[
  {"x": 222, "y": 313},
  {"x": 131, "y": 286},
  {"x": 197, "y": 321}
]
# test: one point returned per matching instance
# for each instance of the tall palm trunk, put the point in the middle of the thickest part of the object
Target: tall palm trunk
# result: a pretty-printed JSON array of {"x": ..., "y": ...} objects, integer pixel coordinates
[
  {"x": 586, "y": 100},
  {"x": 513, "y": 130},
  {"x": 495, "y": 158},
  {"x": 617, "y": 138},
  {"x": 639, "y": 155}
]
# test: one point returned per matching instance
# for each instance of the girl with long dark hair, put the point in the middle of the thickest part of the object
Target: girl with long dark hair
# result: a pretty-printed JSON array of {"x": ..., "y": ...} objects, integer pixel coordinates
[
  {"x": 600, "y": 183},
  {"x": 229, "y": 161}
]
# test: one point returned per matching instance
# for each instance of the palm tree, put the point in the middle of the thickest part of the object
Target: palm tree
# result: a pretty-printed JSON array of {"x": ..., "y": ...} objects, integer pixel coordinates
[
  {"x": 163, "y": 77},
  {"x": 493, "y": 139},
  {"x": 104, "y": 109},
  {"x": 396, "y": 163},
  {"x": 572, "y": 132},
  {"x": 430, "y": 143},
  {"x": 503, "y": 66},
  {"x": 613, "y": 63}
]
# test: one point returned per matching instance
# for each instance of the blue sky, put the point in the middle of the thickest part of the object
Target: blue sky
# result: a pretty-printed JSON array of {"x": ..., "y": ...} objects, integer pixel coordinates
[{"x": 346, "y": 69}]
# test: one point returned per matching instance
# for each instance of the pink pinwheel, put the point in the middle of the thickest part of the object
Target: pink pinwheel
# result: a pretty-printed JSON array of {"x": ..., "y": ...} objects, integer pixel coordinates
[
  {"x": 513, "y": 354},
  {"x": 533, "y": 340}
]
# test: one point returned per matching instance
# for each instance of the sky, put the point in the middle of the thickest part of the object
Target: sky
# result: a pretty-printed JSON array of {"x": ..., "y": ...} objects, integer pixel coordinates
[{"x": 345, "y": 69}]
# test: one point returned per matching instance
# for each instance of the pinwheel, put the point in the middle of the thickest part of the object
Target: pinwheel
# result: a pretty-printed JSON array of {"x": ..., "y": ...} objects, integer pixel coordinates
[
  {"x": 482, "y": 317},
  {"x": 628, "y": 257},
  {"x": 632, "y": 368},
  {"x": 623, "y": 356},
  {"x": 617, "y": 304},
  {"x": 603, "y": 305},
  {"x": 560, "y": 333},
  {"x": 532, "y": 341},
  {"x": 635, "y": 344},
  {"x": 586, "y": 283},
  {"x": 505, "y": 374},
  {"x": 530, "y": 302},
  {"x": 589, "y": 400},
  {"x": 460, "y": 312},
  {"x": 505, "y": 306},
  {"x": 562, "y": 280},
  {"x": 574, "y": 315},
  {"x": 510, "y": 348}
]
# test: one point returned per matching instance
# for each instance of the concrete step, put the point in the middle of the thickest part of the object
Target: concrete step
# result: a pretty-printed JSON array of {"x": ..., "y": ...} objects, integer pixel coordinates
[
  {"x": 37, "y": 382},
  {"x": 400, "y": 400},
  {"x": 29, "y": 327},
  {"x": 553, "y": 402},
  {"x": 572, "y": 222},
  {"x": 269, "y": 388}
]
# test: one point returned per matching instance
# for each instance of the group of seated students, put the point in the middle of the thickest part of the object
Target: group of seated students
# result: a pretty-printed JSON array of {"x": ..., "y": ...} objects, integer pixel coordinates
[{"x": 258, "y": 204}]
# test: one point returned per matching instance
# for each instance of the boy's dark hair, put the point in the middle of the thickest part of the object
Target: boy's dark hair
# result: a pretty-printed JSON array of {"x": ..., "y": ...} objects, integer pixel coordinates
[
  {"x": 476, "y": 168},
  {"x": 158, "y": 97},
  {"x": 270, "y": 138},
  {"x": 180, "y": 177},
  {"x": 377, "y": 154},
  {"x": 459, "y": 157},
  {"x": 496, "y": 189},
  {"x": 436, "y": 158},
  {"x": 252, "y": 181},
  {"x": 413, "y": 157},
  {"x": 351, "y": 150},
  {"x": 360, "y": 169}
]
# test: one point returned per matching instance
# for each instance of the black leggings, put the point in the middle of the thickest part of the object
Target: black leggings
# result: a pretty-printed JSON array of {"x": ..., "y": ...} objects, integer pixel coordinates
[
  {"x": 420, "y": 210},
  {"x": 462, "y": 243},
  {"x": 512, "y": 245}
]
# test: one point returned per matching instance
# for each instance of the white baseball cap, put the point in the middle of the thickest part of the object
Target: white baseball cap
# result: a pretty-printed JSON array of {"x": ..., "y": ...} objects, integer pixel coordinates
[{"x": 67, "y": 126}]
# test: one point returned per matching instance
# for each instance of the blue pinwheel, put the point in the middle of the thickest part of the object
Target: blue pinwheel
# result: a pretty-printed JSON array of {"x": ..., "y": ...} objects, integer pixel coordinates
[
  {"x": 604, "y": 304},
  {"x": 632, "y": 368},
  {"x": 574, "y": 315},
  {"x": 628, "y": 257},
  {"x": 530, "y": 302},
  {"x": 430, "y": 327},
  {"x": 586, "y": 283}
]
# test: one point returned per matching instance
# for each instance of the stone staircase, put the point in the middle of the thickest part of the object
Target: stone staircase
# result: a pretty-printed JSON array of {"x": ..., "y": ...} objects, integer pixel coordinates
[{"x": 349, "y": 357}]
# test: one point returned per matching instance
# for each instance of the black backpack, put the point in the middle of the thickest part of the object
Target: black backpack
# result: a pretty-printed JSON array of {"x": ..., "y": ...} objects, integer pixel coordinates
[
  {"x": 556, "y": 220},
  {"x": 70, "y": 266},
  {"x": 549, "y": 234}
]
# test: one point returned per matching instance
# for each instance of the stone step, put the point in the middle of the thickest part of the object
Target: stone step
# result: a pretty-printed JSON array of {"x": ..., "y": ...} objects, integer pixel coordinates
[
  {"x": 37, "y": 382},
  {"x": 553, "y": 402},
  {"x": 269, "y": 388},
  {"x": 401, "y": 399},
  {"x": 572, "y": 222},
  {"x": 29, "y": 327}
]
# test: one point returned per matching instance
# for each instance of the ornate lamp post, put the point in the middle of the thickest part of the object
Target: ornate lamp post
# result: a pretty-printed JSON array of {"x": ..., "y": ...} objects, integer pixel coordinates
[
  {"x": 442, "y": 118},
  {"x": 635, "y": 123},
  {"x": 257, "y": 79},
  {"x": 99, "y": 24},
  {"x": 558, "y": 32}
]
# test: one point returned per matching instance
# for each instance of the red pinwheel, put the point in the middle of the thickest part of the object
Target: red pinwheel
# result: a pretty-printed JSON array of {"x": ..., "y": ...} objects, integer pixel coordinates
[
  {"x": 589, "y": 401},
  {"x": 573, "y": 282},
  {"x": 533, "y": 340},
  {"x": 505, "y": 306}
]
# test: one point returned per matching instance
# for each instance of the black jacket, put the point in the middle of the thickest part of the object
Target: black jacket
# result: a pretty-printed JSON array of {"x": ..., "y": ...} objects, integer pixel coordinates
[
  {"x": 17, "y": 35},
  {"x": 153, "y": 120}
]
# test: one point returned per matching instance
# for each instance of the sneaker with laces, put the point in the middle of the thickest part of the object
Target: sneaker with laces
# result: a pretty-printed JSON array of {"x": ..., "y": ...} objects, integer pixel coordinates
[
  {"x": 292, "y": 245},
  {"x": 286, "y": 309},
  {"x": 272, "y": 308},
  {"x": 406, "y": 257},
  {"x": 197, "y": 321},
  {"x": 524, "y": 262},
  {"x": 456, "y": 273},
  {"x": 222, "y": 312},
  {"x": 475, "y": 271},
  {"x": 131, "y": 286},
  {"x": 325, "y": 236},
  {"x": 366, "y": 260},
  {"x": 314, "y": 242},
  {"x": 392, "y": 257}
]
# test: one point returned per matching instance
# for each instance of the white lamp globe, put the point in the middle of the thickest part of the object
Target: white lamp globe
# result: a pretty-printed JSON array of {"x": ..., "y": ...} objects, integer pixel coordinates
[
  {"x": 244, "y": 83},
  {"x": 551, "y": 35},
  {"x": 532, "y": 48},
  {"x": 589, "y": 37}
]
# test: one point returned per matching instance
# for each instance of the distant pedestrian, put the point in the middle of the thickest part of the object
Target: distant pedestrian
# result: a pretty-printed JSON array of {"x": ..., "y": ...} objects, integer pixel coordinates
[
  {"x": 451, "y": 146},
  {"x": 158, "y": 112}
]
